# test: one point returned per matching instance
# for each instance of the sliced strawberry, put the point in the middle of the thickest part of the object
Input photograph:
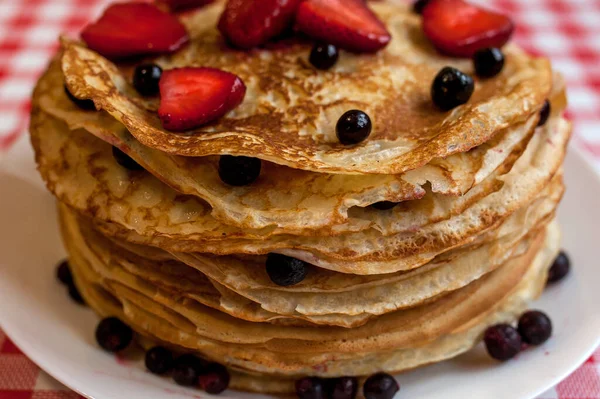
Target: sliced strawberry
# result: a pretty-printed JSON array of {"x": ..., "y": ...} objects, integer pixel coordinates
[
  {"x": 348, "y": 24},
  {"x": 251, "y": 23},
  {"x": 131, "y": 29},
  {"x": 191, "y": 97},
  {"x": 178, "y": 5},
  {"x": 458, "y": 28}
]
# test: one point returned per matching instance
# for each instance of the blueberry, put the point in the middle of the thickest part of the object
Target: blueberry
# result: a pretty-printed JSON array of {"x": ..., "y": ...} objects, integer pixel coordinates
[
  {"x": 488, "y": 62},
  {"x": 324, "y": 56},
  {"x": 535, "y": 327},
  {"x": 502, "y": 341},
  {"x": 560, "y": 268},
  {"x": 159, "y": 360},
  {"x": 451, "y": 88},
  {"x": 239, "y": 171},
  {"x": 113, "y": 335},
  {"x": 419, "y": 6},
  {"x": 125, "y": 160},
  {"x": 353, "y": 127},
  {"x": 380, "y": 386},
  {"x": 63, "y": 273},
  {"x": 75, "y": 294},
  {"x": 284, "y": 270},
  {"x": 545, "y": 113},
  {"x": 146, "y": 78},
  {"x": 310, "y": 388},
  {"x": 342, "y": 388},
  {"x": 384, "y": 205},
  {"x": 86, "y": 105},
  {"x": 187, "y": 370},
  {"x": 215, "y": 379}
]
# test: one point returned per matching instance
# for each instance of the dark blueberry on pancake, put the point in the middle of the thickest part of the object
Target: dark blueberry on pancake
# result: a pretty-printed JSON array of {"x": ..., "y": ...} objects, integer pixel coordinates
[
  {"x": 451, "y": 88},
  {"x": 545, "y": 113},
  {"x": 86, "y": 105},
  {"x": 239, "y": 171},
  {"x": 125, "y": 160},
  {"x": 384, "y": 205},
  {"x": 488, "y": 62},
  {"x": 324, "y": 56},
  {"x": 419, "y": 6},
  {"x": 285, "y": 270},
  {"x": 146, "y": 78},
  {"x": 353, "y": 127}
]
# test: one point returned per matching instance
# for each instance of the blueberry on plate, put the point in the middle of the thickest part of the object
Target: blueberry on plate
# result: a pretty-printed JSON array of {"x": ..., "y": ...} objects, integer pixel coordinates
[
  {"x": 63, "y": 273},
  {"x": 75, "y": 294},
  {"x": 214, "y": 379},
  {"x": 560, "y": 268},
  {"x": 342, "y": 388},
  {"x": 113, "y": 335},
  {"x": 380, "y": 386},
  {"x": 159, "y": 360},
  {"x": 187, "y": 370},
  {"x": 502, "y": 341},
  {"x": 535, "y": 327},
  {"x": 310, "y": 388}
]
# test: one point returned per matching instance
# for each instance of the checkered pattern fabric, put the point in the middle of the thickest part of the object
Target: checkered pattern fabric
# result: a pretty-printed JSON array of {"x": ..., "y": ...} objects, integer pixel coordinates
[{"x": 567, "y": 31}]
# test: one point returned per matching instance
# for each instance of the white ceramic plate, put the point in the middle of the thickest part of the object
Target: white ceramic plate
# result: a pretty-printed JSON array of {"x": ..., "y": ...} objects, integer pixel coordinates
[{"x": 58, "y": 335}]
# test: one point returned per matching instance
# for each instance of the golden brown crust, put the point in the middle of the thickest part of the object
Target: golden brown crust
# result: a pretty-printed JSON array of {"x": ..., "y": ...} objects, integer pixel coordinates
[{"x": 290, "y": 110}]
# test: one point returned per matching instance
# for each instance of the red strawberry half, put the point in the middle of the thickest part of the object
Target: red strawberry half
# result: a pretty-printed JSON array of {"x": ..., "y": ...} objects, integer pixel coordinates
[
  {"x": 348, "y": 24},
  {"x": 251, "y": 23},
  {"x": 191, "y": 97},
  {"x": 458, "y": 28},
  {"x": 178, "y": 5},
  {"x": 131, "y": 29}
]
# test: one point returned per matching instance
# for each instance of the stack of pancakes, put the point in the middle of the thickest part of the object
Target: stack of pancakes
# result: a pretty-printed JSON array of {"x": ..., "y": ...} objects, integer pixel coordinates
[{"x": 180, "y": 255}]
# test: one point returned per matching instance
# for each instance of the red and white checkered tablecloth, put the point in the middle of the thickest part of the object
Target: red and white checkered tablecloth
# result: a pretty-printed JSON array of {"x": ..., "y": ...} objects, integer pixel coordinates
[{"x": 567, "y": 31}]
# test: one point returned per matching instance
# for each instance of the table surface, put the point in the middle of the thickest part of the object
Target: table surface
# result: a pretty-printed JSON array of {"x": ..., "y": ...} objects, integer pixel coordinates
[{"x": 567, "y": 31}]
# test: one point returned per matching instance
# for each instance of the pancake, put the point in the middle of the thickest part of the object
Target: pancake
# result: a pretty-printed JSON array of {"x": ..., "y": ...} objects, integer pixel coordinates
[
  {"x": 290, "y": 109},
  {"x": 268, "y": 201},
  {"x": 336, "y": 299},
  {"x": 394, "y": 253},
  {"x": 430, "y": 333},
  {"x": 145, "y": 211},
  {"x": 370, "y": 253}
]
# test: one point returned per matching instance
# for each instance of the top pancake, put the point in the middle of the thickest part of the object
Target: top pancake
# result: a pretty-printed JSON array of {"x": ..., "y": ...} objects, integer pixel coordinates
[{"x": 290, "y": 110}]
